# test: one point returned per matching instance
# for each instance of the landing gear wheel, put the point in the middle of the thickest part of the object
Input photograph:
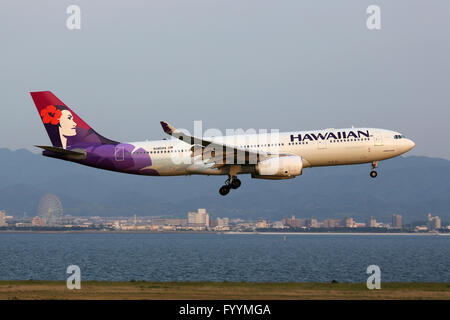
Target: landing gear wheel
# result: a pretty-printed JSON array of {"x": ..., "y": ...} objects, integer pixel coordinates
[
  {"x": 235, "y": 183},
  {"x": 224, "y": 190},
  {"x": 373, "y": 174}
]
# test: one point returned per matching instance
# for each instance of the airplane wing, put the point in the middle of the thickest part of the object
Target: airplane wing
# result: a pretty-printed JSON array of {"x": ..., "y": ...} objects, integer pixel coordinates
[{"x": 219, "y": 153}]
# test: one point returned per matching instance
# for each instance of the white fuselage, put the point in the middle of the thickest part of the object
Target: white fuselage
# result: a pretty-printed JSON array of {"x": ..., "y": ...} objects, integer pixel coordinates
[{"x": 327, "y": 147}]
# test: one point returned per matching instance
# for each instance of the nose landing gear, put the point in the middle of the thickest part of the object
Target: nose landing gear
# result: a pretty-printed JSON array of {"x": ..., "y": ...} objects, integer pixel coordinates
[
  {"x": 373, "y": 173},
  {"x": 231, "y": 183}
]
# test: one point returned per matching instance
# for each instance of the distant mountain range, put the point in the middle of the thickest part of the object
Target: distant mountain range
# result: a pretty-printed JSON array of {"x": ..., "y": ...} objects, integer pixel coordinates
[{"x": 411, "y": 186}]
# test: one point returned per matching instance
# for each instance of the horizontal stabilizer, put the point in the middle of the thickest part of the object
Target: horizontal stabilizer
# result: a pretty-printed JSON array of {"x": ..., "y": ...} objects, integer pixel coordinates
[{"x": 77, "y": 153}]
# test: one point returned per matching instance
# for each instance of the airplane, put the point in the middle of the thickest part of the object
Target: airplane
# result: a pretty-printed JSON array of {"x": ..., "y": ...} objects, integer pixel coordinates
[{"x": 273, "y": 156}]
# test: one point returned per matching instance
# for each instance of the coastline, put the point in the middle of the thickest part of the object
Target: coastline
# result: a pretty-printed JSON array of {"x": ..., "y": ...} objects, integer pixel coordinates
[{"x": 283, "y": 233}]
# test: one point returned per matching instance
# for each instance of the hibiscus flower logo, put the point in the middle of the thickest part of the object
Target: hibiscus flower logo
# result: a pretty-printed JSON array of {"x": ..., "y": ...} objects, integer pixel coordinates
[{"x": 51, "y": 115}]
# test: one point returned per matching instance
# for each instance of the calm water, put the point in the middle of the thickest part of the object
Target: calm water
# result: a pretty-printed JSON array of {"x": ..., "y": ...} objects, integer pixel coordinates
[{"x": 214, "y": 257}]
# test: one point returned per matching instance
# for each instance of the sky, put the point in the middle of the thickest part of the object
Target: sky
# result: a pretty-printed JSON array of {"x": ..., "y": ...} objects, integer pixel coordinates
[{"x": 288, "y": 65}]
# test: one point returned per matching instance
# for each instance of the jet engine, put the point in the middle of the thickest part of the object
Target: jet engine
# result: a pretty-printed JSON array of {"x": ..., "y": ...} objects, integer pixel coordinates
[{"x": 279, "y": 168}]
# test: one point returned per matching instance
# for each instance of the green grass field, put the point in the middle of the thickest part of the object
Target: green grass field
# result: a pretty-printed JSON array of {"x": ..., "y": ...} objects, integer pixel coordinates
[{"x": 219, "y": 290}]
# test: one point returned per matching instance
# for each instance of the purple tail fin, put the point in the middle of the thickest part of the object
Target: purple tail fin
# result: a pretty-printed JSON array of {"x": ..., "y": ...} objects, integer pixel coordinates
[{"x": 64, "y": 127}]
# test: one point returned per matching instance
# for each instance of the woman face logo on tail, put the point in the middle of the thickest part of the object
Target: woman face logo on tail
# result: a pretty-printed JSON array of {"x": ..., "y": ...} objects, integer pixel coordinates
[
  {"x": 67, "y": 126},
  {"x": 59, "y": 123}
]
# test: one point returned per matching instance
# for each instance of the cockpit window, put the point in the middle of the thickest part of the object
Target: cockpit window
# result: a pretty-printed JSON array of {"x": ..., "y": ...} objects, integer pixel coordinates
[{"x": 399, "y": 136}]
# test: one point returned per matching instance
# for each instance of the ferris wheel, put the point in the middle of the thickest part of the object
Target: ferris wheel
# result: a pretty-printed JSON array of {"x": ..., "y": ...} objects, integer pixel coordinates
[{"x": 50, "y": 210}]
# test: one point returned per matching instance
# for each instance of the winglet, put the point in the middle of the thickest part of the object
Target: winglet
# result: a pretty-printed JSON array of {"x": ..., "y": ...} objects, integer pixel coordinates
[{"x": 167, "y": 128}]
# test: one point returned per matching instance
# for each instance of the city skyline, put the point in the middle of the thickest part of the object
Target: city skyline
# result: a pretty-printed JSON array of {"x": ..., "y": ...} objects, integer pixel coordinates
[
  {"x": 200, "y": 220},
  {"x": 50, "y": 212}
]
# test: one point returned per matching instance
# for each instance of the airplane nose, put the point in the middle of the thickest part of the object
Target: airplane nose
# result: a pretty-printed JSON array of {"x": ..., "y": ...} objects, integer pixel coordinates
[{"x": 411, "y": 144}]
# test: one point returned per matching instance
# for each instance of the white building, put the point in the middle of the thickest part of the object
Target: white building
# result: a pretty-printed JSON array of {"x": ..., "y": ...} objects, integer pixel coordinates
[
  {"x": 397, "y": 221},
  {"x": 262, "y": 224},
  {"x": 199, "y": 219},
  {"x": 433, "y": 222},
  {"x": 3, "y": 219},
  {"x": 349, "y": 222},
  {"x": 37, "y": 221},
  {"x": 222, "y": 222},
  {"x": 278, "y": 225}
]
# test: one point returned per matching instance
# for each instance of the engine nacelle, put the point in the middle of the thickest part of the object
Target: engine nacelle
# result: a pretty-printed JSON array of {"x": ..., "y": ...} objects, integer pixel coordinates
[{"x": 289, "y": 166}]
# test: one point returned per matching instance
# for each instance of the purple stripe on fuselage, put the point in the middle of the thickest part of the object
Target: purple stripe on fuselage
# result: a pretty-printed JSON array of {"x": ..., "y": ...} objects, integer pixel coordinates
[{"x": 118, "y": 157}]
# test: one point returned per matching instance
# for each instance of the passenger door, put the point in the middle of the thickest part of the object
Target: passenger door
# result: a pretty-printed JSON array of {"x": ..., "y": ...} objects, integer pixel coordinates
[
  {"x": 321, "y": 144},
  {"x": 119, "y": 153},
  {"x": 378, "y": 139}
]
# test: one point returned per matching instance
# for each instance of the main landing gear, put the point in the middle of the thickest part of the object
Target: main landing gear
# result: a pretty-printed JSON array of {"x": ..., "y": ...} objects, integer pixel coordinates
[
  {"x": 373, "y": 173},
  {"x": 231, "y": 183}
]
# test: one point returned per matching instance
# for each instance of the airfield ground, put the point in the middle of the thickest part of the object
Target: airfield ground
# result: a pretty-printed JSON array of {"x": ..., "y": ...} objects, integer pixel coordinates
[{"x": 38, "y": 290}]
